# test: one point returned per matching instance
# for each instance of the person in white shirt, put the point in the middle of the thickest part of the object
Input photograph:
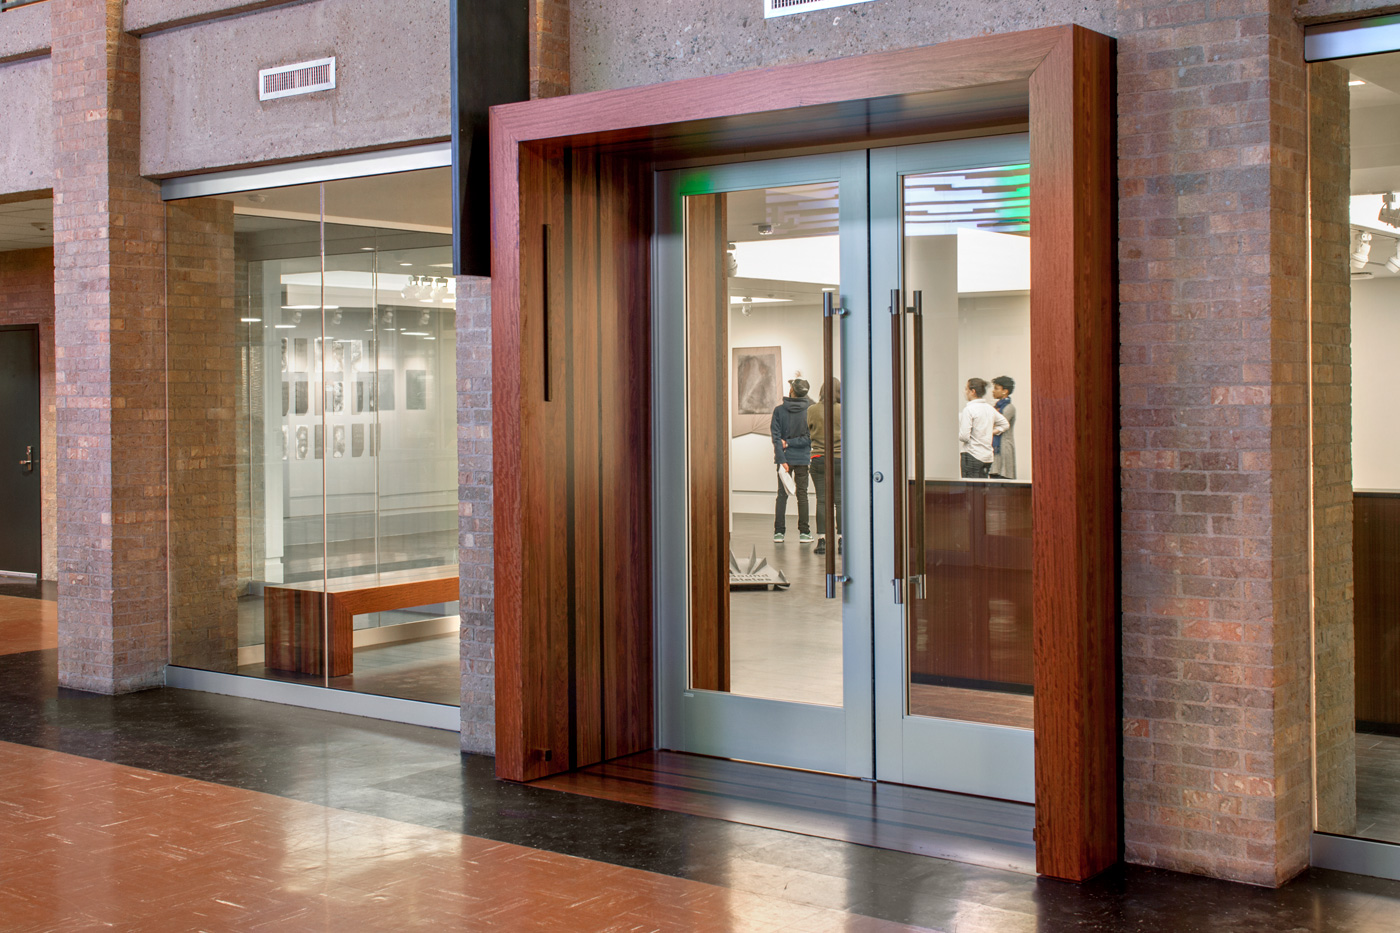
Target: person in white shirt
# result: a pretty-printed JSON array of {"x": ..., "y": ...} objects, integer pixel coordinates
[{"x": 978, "y": 423}]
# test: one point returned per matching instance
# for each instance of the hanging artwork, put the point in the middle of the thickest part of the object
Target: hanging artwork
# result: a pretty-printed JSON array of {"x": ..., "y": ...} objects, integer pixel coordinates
[
  {"x": 286, "y": 397},
  {"x": 386, "y": 390},
  {"x": 284, "y": 439},
  {"x": 301, "y": 442},
  {"x": 299, "y": 354},
  {"x": 357, "y": 440},
  {"x": 337, "y": 393},
  {"x": 303, "y": 395},
  {"x": 320, "y": 442},
  {"x": 338, "y": 441},
  {"x": 756, "y": 383},
  {"x": 415, "y": 390}
]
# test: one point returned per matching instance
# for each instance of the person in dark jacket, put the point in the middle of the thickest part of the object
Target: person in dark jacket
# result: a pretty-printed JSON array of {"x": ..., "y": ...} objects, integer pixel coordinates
[{"x": 792, "y": 452}]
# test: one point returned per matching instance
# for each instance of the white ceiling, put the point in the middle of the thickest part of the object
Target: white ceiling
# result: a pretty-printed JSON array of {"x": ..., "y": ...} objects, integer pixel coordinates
[{"x": 26, "y": 225}]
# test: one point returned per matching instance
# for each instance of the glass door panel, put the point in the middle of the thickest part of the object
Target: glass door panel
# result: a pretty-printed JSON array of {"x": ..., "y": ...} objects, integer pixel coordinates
[
  {"x": 954, "y": 636},
  {"x": 772, "y": 658}
]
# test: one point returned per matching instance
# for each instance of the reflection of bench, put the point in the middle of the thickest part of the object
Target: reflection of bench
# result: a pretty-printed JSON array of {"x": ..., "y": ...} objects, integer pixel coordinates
[{"x": 292, "y": 631}]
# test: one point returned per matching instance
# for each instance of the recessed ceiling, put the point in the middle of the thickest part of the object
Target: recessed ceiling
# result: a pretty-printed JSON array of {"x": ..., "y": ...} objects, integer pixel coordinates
[{"x": 26, "y": 225}]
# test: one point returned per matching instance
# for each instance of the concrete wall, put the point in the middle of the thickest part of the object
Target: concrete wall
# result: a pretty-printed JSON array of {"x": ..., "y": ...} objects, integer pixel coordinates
[
  {"x": 26, "y": 33},
  {"x": 143, "y": 16},
  {"x": 199, "y": 93},
  {"x": 26, "y": 113},
  {"x": 627, "y": 44}
]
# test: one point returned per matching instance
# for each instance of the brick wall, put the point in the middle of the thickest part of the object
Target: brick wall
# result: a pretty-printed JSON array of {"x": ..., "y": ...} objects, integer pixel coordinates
[
  {"x": 109, "y": 235},
  {"x": 474, "y": 514},
  {"x": 549, "y": 48},
  {"x": 202, "y": 348},
  {"x": 1212, "y": 146},
  {"x": 26, "y": 297}
]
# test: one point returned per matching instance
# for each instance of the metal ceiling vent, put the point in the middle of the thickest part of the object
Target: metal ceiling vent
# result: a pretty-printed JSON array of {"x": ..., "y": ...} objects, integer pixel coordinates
[
  {"x": 301, "y": 78},
  {"x": 772, "y": 8}
]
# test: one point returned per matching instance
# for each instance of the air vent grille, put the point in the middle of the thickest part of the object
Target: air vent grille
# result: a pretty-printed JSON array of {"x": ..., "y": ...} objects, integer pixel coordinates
[
  {"x": 772, "y": 8},
  {"x": 301, "y": 78}
]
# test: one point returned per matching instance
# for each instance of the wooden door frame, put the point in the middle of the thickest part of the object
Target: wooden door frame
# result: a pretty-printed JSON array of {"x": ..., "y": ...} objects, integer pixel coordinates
[{"x": 1059, "y": 81}]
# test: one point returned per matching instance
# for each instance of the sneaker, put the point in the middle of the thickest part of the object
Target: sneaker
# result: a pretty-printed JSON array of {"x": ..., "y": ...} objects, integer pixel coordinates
[
  {"x": 821, "y": 546},
  {"x": 778, "y": 537},
  {"x": 805, "y": 538}
]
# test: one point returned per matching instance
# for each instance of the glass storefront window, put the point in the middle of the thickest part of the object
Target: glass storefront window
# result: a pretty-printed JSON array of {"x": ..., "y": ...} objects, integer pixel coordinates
[
  {"x": 1355, "y": 170},
  {"x": 313, "y": 471}
]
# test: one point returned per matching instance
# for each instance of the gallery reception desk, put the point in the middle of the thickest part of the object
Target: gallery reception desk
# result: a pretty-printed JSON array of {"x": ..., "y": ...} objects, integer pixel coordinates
[{"x": 973, "y": 626}]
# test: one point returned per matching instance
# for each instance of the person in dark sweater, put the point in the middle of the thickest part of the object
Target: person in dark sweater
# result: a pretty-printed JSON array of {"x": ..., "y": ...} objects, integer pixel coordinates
[{"x": 792, "y": 452}]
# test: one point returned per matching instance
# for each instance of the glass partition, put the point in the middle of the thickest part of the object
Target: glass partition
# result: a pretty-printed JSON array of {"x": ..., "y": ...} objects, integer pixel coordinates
[
  {"x": 1355, "y": 170},
  {"x": 968, "y": 444},
  {"x": 761, "y": 264},
  {"x": 313, "y": 454}
]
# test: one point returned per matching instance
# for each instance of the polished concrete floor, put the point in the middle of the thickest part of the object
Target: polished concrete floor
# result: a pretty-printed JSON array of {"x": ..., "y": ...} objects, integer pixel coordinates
[{"x": 175, "y": 810}]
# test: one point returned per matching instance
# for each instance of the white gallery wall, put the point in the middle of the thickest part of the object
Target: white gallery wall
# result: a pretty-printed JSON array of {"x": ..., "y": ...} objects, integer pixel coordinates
[{"x": 1375, "y": 338}]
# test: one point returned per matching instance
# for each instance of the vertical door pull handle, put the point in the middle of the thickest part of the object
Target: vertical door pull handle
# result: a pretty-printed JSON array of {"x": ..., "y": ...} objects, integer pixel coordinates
[
  {"x": 901, "y": 492},
  {"x": 544, "y": 301}
]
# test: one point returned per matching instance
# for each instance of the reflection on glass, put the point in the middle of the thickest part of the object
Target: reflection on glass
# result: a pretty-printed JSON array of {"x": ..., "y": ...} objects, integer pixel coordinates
[
  {"x": 334, "y": 494},
  {"x": 1356, "y": 456},
  {"x": 966, "y": 347},
  {"x": 757, "y": 265}
]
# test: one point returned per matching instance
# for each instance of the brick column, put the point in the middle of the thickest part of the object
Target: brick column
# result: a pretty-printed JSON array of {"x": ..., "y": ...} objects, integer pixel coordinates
[
  {"x": 1335, "y": 650},
  {"x": 109, "y": 289},
  {"x": 477, "y": 560},
  {"x": 1214, "y": 409}
]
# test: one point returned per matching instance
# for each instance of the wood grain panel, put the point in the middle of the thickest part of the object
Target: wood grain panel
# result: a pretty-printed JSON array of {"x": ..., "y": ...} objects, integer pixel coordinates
[
  {"x": 625, "y": 211},
  {"x": 584, "y": 363},
  {"x": 1075, "y": 545},
  {"x": 1377, "y": 562},
  {"x": 707, "y": 358}
]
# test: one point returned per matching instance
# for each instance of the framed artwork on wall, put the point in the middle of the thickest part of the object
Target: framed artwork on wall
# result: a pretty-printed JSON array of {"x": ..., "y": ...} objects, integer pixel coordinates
[{"x": 756, "y": 383}]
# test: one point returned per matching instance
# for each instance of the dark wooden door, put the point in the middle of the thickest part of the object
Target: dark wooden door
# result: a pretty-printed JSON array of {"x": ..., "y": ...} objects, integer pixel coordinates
[{"x": 20, "y": 497}]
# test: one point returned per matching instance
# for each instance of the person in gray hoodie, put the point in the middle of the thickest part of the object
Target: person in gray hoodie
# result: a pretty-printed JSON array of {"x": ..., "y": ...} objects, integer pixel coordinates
[{"x": 792, "y": 452}]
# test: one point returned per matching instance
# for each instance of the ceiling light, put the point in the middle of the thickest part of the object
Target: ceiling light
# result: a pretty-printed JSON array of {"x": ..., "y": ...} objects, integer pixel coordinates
[
  {"x": 366, "y": 249},
  {"x": 735, "y": 300},
  {"x": 284, "y": 326},
  {"x": 1393, "y": 263},
  {"x": 251, "y": 320},
  {"x": 310, "y": 307},
  {"x": 414, "y": 333},
  {"x": 405, "y": 263},
  {"x": 1355, "y": 82},
  {"x": 1389, "y": 213},
  {"x": 1362, "y": 253}
]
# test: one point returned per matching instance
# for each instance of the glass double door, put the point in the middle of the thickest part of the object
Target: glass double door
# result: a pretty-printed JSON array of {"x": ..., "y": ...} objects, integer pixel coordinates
[{"x": 843, "y": 464}]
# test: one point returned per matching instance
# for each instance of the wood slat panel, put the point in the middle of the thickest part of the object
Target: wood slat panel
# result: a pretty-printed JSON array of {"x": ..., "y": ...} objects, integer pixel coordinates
[
  {"x": 581, "y": 344},
  {"x": 1075, "y": 546},
  {"x": 707, "y": 357},
  {"x": 625, "y": 210},
  {"x": 1377, "y": 554}
]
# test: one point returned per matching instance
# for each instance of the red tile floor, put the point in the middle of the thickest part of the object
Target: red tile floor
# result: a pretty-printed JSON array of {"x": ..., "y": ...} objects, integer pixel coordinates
[{"x": 93, "y": 845}]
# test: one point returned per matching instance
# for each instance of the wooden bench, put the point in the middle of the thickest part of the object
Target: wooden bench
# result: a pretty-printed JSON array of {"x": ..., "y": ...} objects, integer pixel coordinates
[{"x": 294, "y": 636}]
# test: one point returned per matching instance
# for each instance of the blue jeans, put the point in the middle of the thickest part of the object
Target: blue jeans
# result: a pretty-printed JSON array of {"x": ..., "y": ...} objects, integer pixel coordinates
[{"x": 799, "y": 476}]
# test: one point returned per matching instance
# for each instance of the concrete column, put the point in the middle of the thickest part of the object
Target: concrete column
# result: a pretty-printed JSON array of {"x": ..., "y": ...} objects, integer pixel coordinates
[
  {"x": 109, "y": 291},
  {"x": 474, "y": 469},
  {"x": 1215, "y": 446}
]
